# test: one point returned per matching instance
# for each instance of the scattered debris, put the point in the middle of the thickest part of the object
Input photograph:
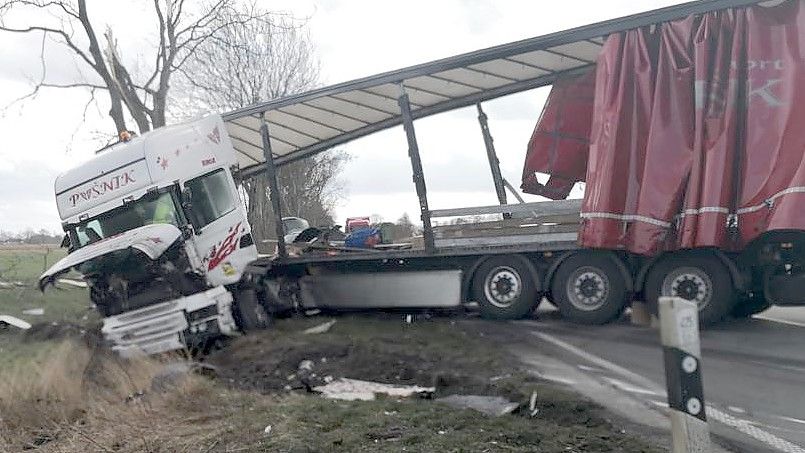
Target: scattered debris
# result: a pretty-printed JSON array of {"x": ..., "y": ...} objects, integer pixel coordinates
[
  {"x": 6, "y": 320},
  {"x": 267, "y": 430},
  {"x": 305, "y": 365},
  {"x": 9, "y": 285},
  {"x": 490, "y": 405},
  {"x": 70, "y": 282},
  {"x": 532, "y": 405},
  {"x": 321, "y": 328},
  {"x": 498, "y": 378},
  {"x": 354, "y": 389},
  {"x": 34, "y": 312}
]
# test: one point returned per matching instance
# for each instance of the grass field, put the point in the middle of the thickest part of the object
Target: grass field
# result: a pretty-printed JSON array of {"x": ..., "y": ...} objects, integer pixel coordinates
[{"x": 24, "y": 265}]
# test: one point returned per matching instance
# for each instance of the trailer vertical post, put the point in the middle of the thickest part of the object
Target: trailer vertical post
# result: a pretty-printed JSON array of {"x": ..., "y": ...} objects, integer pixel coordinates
[
  {"x": 679, "y": 331},
  {"x": 491, "y": 154},
  {"x": 273, "y": 187},
  {"x": 416, "y": 166}
]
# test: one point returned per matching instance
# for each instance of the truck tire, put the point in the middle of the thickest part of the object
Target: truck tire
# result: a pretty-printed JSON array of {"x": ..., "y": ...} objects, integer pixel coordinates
[
  {"x": 589, "y": 288},
  {"x": 505, "y": 287},
  {"x": 749, "y": 306},
  {"x": 249, "y": 313},
  {"x": 699, "y": 277}
]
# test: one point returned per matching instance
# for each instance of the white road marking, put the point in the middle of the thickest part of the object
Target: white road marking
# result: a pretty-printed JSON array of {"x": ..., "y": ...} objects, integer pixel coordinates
[
  {"x": 626, "y": 387},
  {"x": 712, "y": 412},
  {"x": 603, "y": 363},
  {"x": 589, "y": 368},
  {"x": 737, "y": 410},
  {"x": 790, "y": 419},
  {"x": 557, "y": 379},
  {"x": 781, "y": 321}
]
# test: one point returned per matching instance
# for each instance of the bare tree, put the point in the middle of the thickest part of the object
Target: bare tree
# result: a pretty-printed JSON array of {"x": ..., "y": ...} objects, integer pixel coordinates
[
  {"x": 256, "y": 62},
  {"x": 181, "y": 27}
]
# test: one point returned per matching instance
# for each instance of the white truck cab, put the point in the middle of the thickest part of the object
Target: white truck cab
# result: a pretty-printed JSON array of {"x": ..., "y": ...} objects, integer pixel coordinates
[{"x": 157, "y": 228}]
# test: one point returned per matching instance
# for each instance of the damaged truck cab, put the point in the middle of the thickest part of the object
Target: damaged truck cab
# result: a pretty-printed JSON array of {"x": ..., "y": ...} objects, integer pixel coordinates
[{"x": 157, "y": 229}]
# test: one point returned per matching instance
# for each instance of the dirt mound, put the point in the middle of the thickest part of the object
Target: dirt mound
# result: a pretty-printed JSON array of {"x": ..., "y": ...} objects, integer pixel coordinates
[
  {"x": 384, "y": 350},
  {"x": 58, "y": 331}
]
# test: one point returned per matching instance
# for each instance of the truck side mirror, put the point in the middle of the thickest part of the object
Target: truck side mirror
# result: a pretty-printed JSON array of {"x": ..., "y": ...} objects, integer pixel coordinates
[{"x": 65, "y": 242}]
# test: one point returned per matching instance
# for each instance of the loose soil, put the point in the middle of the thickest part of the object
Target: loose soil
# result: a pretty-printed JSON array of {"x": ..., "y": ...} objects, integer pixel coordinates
[{"x": 454, "y": 356}]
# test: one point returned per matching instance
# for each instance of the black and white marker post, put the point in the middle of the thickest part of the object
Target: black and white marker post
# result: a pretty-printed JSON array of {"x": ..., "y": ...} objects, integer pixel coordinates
[{"x": 679, "y": 330}]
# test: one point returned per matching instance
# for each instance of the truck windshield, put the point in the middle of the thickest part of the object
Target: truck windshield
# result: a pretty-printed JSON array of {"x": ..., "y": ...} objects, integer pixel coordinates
[{"x": 150, "y": 209}]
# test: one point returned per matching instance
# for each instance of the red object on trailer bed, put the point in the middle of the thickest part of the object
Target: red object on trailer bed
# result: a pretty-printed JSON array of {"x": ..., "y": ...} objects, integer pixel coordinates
[{"x": 694, "y": 133}]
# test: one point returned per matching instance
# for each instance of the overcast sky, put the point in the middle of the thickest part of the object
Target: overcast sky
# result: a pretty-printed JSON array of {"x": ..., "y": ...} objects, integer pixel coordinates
[{"x": 355, "y": 38}]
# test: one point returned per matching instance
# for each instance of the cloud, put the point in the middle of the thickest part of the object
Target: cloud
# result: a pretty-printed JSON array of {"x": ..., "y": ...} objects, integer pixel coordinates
[{"x": 28, "y": 198}]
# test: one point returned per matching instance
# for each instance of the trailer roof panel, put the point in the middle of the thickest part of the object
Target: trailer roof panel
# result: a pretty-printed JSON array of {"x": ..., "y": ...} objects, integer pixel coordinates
[{"x": 309, "y": 123}]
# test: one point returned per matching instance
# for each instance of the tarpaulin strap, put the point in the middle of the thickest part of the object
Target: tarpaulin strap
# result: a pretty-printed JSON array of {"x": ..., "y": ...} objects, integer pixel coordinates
[
  {"x": 740, "y": 143},
  {"x": 625, "y": 218},
  {"x": 769, "y": 202}
]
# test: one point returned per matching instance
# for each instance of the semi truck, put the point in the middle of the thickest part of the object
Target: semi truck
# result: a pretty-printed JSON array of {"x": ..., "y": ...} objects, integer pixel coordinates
[{"x": 157, "y": 227}]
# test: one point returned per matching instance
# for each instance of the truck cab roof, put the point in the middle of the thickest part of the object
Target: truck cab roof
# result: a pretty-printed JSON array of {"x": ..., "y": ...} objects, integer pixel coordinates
[{"x": 155, "y": 159}]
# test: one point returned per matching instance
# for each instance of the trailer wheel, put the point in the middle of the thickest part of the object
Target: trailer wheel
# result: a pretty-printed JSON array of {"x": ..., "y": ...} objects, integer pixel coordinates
[
  {"x": 697, "y": 277},
  {"x": 249, "y": 313},
  {"x": 589, "y": 288},
  {"x": 505, "y": 287}
]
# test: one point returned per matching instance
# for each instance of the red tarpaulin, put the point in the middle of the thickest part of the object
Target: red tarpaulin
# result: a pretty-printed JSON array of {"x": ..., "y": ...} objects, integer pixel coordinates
[
  {"x": 560, "y": 142},
  {"x": 697, "y": 135}
]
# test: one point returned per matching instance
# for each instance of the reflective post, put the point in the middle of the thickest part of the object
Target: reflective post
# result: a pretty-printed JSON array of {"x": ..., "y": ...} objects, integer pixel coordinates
[
  {"x": 273, "y": 187},
  {"x": 679, "y": 330},
  {"x": 416, "y": 166}
]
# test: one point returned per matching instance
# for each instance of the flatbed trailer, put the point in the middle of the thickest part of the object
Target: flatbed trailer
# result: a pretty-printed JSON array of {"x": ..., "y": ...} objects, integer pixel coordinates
[
  {"x": 443, "y": 277},
  {"x": 505, "y": 266}
]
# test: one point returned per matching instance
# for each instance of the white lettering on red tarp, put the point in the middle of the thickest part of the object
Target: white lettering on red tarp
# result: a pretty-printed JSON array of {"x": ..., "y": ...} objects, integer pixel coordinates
[
  {"x": 714, "y": 95},
  {"x": 100, "y": 188},
  {"x": 764, "y": 92}
]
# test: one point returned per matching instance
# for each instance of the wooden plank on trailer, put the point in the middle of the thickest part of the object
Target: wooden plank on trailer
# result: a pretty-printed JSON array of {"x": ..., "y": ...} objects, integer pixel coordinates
[
  {"x": 564, "y": 219},
  {"x": 538, "y": 208},
  {"x": 486, "y": 241},
  {"x": 507, "y": 231}
]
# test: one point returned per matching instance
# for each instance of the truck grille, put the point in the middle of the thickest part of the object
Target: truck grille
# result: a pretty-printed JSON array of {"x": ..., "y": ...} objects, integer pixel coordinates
[
  {"x": 161, "y": 327},
  {"x": 151, "y": 330}
]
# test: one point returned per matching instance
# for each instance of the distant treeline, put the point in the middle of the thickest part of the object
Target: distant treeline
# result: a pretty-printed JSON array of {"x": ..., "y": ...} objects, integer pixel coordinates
[{"x": 29, "y": 236}]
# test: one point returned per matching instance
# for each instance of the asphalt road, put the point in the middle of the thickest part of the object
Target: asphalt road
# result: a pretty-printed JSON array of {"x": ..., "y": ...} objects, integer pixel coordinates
[{"x": 753, "y": 370}]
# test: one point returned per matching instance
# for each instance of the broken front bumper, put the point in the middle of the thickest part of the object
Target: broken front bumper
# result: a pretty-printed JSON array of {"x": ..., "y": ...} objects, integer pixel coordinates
[{"x": 168, "y": 326}]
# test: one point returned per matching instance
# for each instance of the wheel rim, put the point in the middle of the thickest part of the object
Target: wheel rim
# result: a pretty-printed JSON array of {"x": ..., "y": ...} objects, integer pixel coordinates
[
  {"x": 689, "y": 283},
  {"x": 502, "y": 287},
  {"x": 588, "y": 288}
]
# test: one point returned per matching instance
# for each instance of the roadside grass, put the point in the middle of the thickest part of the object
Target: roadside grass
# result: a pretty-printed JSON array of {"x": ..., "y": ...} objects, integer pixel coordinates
[{"x": 77, "y": 397}]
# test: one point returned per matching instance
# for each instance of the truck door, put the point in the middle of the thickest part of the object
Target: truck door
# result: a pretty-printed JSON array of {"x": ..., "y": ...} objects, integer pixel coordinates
[{"x": 222, "y": 233}]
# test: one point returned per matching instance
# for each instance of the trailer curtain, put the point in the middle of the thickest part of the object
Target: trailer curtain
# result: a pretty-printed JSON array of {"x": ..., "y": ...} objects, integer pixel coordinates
[{"x": 697, "y": 133}]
